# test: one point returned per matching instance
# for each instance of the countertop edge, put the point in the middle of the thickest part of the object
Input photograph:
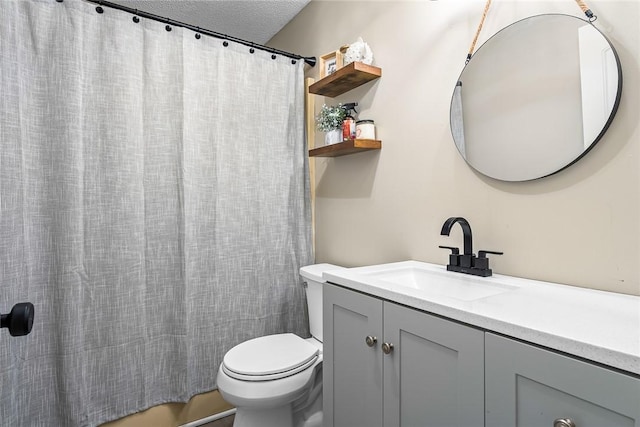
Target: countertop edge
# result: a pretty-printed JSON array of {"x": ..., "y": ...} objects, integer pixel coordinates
[{"x": 628, "y": 362}]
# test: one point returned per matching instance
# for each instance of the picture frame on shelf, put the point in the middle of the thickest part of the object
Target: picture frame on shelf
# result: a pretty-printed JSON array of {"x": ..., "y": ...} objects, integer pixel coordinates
[{"x": 330, "y": 63}]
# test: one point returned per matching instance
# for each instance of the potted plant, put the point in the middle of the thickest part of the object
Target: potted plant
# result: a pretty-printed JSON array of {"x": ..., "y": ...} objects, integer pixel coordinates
[{"x": 329, "y": 120}]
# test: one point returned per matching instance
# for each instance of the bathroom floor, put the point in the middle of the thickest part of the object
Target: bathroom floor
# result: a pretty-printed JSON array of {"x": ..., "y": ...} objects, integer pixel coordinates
[{"x": 224, "y": 422}]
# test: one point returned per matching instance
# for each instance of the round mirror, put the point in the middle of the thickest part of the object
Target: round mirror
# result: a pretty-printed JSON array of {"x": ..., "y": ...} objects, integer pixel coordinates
[{"x": 535, "y": 97}]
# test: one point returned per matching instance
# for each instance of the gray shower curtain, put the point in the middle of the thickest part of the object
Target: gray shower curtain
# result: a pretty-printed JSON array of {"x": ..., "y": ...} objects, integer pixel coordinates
[{"x": 153, "y": 207}]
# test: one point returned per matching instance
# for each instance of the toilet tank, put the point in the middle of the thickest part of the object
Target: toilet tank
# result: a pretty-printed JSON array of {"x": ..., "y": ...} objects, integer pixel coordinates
[{"x": 312, "y": 278}]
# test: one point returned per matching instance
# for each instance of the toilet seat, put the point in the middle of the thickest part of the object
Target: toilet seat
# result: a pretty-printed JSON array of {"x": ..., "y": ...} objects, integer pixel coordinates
[{"x": 270, "y": 357}]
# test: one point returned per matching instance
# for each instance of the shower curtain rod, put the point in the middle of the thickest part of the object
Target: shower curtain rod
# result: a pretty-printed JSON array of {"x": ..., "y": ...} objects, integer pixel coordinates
[{"x": 311, "y": 60}]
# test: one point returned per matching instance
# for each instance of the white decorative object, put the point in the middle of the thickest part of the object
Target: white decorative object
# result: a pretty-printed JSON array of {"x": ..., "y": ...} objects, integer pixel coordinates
[
  {"x": 333, "y": 137},
  {"x": 358, "y": 51}
]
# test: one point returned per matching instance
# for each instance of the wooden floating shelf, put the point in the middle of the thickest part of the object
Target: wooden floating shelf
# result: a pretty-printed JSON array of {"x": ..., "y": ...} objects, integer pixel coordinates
[
  {"x": 349, "y": 146},
  {"x": 346, "y": 78}
]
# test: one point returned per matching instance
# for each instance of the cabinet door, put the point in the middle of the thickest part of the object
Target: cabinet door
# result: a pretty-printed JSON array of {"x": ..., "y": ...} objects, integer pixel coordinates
[
  {"x": 434, "y": 376},
  {"x": 352, "y": 371},
  {"x": 527, "y": 386}
]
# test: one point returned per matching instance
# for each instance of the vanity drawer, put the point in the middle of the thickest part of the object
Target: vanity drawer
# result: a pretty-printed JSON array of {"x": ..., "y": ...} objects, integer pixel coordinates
[{"x": 527, "y": 386}]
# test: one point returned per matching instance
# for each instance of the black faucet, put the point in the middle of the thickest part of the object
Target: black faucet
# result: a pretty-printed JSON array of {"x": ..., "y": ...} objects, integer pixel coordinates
[{"x": 466, "y": 263}]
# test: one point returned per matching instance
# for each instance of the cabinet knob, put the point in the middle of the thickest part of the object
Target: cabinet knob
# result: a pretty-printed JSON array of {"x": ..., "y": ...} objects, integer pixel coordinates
[
  {"x": 564, "y": 422},
  {"x": 371, "y": 340},
  {"x": 387, "y": 348}
]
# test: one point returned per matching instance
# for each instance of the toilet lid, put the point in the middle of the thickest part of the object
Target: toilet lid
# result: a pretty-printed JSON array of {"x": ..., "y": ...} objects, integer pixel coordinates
[{"x": 270, "y": 357}]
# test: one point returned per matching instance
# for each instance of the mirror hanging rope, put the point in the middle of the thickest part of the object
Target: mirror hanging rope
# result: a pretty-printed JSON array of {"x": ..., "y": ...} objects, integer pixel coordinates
[
  {"x": 475, "y": 39},
  {"x": 581, "y": 4},
  {"x": 586, "y": 10}
]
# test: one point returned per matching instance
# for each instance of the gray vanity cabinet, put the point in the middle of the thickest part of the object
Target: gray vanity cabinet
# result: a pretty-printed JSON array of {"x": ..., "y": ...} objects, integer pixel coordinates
[
  {"x": 386, "y": 365},
  {"x": 527, "y": 386}
]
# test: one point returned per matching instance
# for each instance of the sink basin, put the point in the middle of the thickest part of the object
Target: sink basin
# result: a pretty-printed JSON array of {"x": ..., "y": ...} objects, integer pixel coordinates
[{"x": 433, "y": 282}]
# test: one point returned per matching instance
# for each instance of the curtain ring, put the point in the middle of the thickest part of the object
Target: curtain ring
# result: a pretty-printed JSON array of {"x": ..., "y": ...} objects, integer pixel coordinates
[
  {"x": 198, "y": 33},
  {"x": 135, "y": 17}
]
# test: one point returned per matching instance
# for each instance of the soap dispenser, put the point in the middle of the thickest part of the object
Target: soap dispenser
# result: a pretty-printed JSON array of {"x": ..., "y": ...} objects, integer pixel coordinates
[{"x": 349, "y": 122}]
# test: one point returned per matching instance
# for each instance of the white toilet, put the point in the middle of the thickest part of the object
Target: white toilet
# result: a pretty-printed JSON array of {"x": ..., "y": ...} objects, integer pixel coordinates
[{"x": 276, "y": 380}]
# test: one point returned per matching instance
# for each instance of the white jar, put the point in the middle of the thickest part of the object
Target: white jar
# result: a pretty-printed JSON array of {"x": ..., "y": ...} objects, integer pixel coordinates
[{"x": 365, "y": 129}]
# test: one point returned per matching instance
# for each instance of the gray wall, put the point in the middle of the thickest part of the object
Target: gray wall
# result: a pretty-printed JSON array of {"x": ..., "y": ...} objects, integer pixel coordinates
[{"x": 580, "y": 227}]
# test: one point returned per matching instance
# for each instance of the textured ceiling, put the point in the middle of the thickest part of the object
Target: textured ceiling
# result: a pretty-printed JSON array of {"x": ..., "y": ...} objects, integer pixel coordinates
[{"x": 251, "y": 20}]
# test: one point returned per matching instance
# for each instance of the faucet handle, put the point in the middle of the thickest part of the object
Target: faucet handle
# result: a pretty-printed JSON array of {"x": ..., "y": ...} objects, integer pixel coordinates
[
  {"x": 482, "y": 262},
  {"x": 483, "y": 253},
  {"x": 454, "y": 251},
  {"x": 454, "y": 256}
]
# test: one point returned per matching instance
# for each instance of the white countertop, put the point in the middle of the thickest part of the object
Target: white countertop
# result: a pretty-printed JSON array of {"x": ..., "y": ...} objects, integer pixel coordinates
[{"x": 596, "y": 325}]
